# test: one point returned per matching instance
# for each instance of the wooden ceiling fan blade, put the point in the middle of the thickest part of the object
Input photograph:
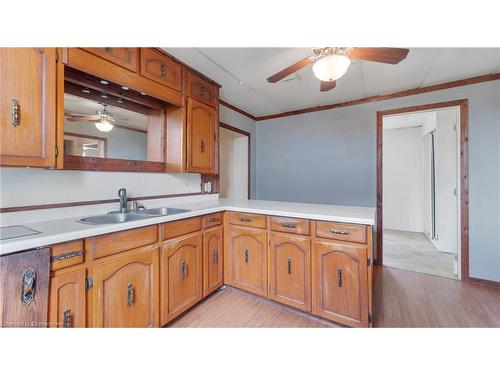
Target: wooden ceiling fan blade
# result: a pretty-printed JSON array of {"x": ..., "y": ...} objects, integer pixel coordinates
[
  {"x": 291, "y": 69},
  {"x": 327, "y": 85},
  {"x": 381, "y": 55}
]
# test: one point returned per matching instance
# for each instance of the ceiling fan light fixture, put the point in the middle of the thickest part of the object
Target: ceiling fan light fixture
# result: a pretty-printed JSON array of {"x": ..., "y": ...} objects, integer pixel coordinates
[
  {"x": 331, "y": 67},
  {"x": 104, "y": 126}
]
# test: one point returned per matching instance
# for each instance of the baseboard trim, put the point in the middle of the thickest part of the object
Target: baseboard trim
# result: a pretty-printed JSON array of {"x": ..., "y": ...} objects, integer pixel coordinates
[{"x": 484, "y": 282}]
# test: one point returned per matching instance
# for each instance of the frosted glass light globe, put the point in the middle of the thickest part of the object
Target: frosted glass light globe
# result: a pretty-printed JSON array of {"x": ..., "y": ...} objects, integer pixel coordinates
[
  {"x": 331, "y": 67},
  {"x": 104, "y": 126}
]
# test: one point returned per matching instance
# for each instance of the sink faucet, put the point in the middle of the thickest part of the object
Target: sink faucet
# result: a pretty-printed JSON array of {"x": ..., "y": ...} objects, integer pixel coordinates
[{"x": 122, "y": 193}]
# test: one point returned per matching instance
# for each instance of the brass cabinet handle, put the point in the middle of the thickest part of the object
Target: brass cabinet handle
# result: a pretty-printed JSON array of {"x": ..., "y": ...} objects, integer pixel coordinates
[
  {"x": 202, "y": 90},
  {"x": 162, "y": 70},
  {"x": 28, "y": 286},
  {"x": 245, "y": 219},
  {"x": 213, "y": 219},
  {"x": 214, "y": 256},
  {"x": 289, "y": 225},
  {"x": 108, "y": 49},
  {"x": 69, "y": 254},
  {"x": 130, "y": 294},
  {"x": 289, "y": 265},
  {"x": 67, "y": 319},
  {"x": 245, "y": 252},
  {"x": 184, "y": 270},
  {"x": 339, "y": 277},
  {"x": 202, "y": 146},
  {"x": 338, "y": 231},
  {"x": 15, "y": 113}
]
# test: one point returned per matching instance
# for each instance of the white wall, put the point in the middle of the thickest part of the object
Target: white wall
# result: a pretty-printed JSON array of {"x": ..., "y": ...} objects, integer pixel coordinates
[
  {"x": 403, "y": 179},
  {"x": 233, "y": 165}
]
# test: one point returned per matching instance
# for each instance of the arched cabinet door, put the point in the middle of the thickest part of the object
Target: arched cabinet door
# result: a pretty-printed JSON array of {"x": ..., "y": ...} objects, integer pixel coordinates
[
  {"x": 212, "y": 260},
  {"x": 340, "y": 275},
  {"x": 201, "y": 121},
  {"x": 67, "y": 300},
  {"x": 247, "y": 260},
  {"x": 289, "y": 265},
  {"x": 125, "y": 291}
]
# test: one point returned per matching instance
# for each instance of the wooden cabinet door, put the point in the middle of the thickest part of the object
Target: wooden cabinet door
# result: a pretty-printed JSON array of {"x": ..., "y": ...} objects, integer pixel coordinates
[
  {"x": 340, "y": 282},
  {"x": 161, "y": 68},
  {"x": 181, "y": 279},
  {"x": 125, "y": 291},
  {"x": 125, "y": 57},
  {"x": 212, "y": 260},
  {"x": 67, "y": 300},
  {"x": 290, "y": 270},
  {"x": 247, "y": 260},
  {"x": 24, "y": 289},
  {"x": 27, "y": 107},
  {"x": 201, "y": 121}
]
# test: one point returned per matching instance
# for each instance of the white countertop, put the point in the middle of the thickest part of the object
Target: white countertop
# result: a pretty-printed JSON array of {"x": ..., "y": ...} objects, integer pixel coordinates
[{"x": 55, "y": 231}]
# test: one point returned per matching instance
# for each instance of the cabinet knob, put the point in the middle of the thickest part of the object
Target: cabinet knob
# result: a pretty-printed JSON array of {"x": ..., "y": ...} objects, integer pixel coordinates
[
  {"x": 67, "y": 319},
  {"x": 130, "y": 294},
  {"x": 338, "y": 231},
  {"x": 163, "y": 70},
  {"x": 245, "y": 252},
  {"x": 289, "y": 265},
  {"x": 245, "y": 219},
  {"x": 289, "y": 225},
  {"x": 15, "y": 113}
]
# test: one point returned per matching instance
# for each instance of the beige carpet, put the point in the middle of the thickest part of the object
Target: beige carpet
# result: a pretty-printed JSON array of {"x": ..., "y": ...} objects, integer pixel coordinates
[{"x": 414, "y": 252}]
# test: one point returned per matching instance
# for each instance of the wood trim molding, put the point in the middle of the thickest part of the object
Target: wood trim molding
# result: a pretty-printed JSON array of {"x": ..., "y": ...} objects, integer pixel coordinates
[
  {"x": 247, "y": 134},
  {"x": 464, "y": 176},
  {"x": 88, "y": 203},
  {"x": 83, "y": 163},
  {"x": 485, "y": 282},
  {"x": 236, "y": 109},
  {"x": 371, "y": 99}
]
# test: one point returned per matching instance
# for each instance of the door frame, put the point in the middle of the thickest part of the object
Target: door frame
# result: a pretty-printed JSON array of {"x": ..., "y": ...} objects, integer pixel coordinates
[
  {"x": 248, "y": 135},
  {"x": 464, "y": 176}
]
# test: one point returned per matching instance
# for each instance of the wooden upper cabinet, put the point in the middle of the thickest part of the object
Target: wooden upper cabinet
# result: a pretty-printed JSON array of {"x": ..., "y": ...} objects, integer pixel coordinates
[
  {"x": 161, "y": 68},
  {"x": 67, "y": 300},
  {"x": 181, "y": 276},
  {"x": 201, "y": 123},
  {"x": 340, "y": 282},
  {"x": 28, "y": 107},
  {"x": 212, "y": 260},
  {"x": 125, "y": 292},
  {"x": 200, "y": 89},
  {"x": 125, "y": 57},
  {"x": 246, "y": 260},
  {"x": 289, "y": 270}
]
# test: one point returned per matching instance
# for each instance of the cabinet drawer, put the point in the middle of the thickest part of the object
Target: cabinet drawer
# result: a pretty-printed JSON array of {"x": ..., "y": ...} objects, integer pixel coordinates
[
  {"x": 341, "y": 231},
  {"x": 161, "y": 68},
  {"x": 200, "y": 89},
  {"x": 112, "y": 243},
  {"x": 181, "y": 227},
  {"x": 66, "y": 254},
  {"x": 212, "y": 220},
  {"x": 290, "y": 225},
  {"x": 247, "y": 220},
  {"x": 125, "y": 57}
]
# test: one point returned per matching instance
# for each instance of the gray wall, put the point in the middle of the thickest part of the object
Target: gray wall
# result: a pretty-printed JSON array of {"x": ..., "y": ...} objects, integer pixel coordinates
[
  {"x": 239, "y": 121},
  {"x": 330, "y": 157}
]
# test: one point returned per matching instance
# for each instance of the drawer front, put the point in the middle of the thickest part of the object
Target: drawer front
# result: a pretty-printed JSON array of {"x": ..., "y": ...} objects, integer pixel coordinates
[
  {"x": 181, "y": 227},
  {"x": 66, "y": 254},
  {"x": 212, "y": 220},
  {"x": 125, "y": 57},
  {"x": 161, "y": 68},
  {"x": 290, "y": 225},
  {"x": 112, "y": 243},
  {"x": 341, "y": 231},
  {"x": 200, "y": 89},
  {"x": 247, "y": 220}
]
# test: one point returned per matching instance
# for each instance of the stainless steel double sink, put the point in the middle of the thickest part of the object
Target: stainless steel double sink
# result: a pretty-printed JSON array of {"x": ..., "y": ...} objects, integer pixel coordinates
[{"x": 116, "y": 217}]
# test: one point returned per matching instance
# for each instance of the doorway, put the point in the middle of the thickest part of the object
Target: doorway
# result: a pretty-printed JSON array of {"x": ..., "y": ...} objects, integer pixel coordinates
[
  {"x": 422, "y": 189},
  {"x": 234, "y": 163}
]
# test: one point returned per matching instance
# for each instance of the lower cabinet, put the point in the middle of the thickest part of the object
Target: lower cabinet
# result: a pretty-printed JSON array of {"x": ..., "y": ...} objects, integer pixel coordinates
[
  {"x": 247, "y": 259},
  {"x": 212, "y": 260},
  {"x": 181, "y": 275},
  {"x": 125, "y": 291},
  {"x": 67, "y": 300},
  {"x": 340, "y": 282},
  {"x": 289, "y": 270}
]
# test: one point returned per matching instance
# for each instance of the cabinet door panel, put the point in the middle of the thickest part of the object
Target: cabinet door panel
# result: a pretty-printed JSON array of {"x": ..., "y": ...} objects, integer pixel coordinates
[
  {"x": 67, "y": 300},
  {"x": 161, "y": 68},
  {"x": 27, "y": 106},
  {"x": 248, "y": 260},
  {"x": 289, "y": 264},
  {"x": 200, "y": 133},
  {"x": 340, "y": 282},
  {"x": 212, "y": 260},
  {"x": 126, "y": 291},
  {"x": 125, "y": 57}
]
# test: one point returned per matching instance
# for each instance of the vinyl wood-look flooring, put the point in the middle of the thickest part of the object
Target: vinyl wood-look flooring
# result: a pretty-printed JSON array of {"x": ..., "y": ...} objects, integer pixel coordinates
[{"x": 402, "y": 299}]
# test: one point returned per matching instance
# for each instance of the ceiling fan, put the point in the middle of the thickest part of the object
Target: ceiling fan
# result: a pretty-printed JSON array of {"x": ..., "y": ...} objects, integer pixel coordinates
[
  {"x": 331, "y": 63},
  {"x": 102, "y": 119}
]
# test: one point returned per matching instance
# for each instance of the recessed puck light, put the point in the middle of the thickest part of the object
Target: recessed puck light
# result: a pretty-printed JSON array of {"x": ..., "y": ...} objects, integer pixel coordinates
[
  {"x": 104, "y": 82},
  {"x": 120, "y": 100},
  {"x": 86, "y": 91},
  {"x": 125, "y": 88},
  {"x": 103, "y": 95},
  {"x": 143, "y": 93}
]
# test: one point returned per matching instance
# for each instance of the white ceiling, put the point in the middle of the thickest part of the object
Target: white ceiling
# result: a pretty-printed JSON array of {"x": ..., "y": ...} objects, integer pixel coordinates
[{"x": 242, "y": 72}]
